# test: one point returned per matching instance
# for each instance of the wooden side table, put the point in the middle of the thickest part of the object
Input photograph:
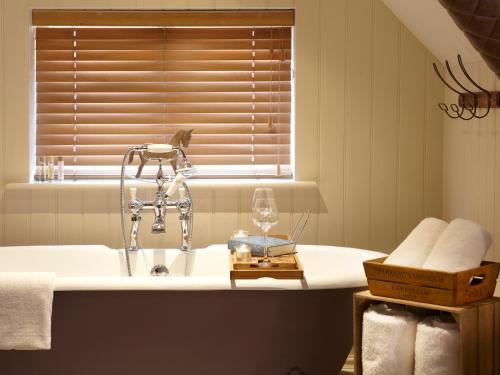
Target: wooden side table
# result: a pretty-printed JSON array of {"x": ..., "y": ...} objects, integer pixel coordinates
[{"x": 478, "y": 322}]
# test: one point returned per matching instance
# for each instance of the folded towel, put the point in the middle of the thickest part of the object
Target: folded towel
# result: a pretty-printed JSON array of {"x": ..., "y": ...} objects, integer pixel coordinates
[
  {"x": 437, "y": 349},
  {"x": 415, "y": 249},
  {"x": 462, "y": 246},
  {"x": 388, "y": 341},
  {"x": 25, "y": 310}
]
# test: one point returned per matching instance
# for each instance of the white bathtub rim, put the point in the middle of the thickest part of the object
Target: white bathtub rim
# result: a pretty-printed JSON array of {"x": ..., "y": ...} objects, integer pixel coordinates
[{"x": 318, "y": 274}]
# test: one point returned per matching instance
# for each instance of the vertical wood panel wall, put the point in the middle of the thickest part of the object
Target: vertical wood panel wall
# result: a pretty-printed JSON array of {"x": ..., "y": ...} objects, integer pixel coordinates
[
  {"x": 367, "y": 133},
  {"x": 472, "y": 164}
]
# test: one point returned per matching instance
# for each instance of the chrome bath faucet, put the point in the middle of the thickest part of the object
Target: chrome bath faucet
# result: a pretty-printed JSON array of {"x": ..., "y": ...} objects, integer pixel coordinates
[{"x": 159, "y": 205}]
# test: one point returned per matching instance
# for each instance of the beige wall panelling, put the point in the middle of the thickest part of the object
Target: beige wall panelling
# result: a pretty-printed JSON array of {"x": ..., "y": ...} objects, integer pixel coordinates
[
  {"x": 175, "y": 4},
  {"x": 287, "y": 4},
  {"x": 201, "y": 4},
  {"x": 305, "y": 199},
  {"x": 472, "y": 168},
  {"x": 149, "y": 4},
  {"x": 227, "y": 4},
  {"x": 307, "y": 36},
  {"x": 69, "y": 217},
  {"x": 433, "y": 142},
  {"x": 461, "y": 163},
  {"x": 257, "y": 4},
  {"x": 333, "y": 22},
  {"x": 114, "y": 220},
  {"x": 17, "y": 222},
  {"x": 385, "y": 129},
  {"x": 453, "y": 187},
  {"x": 16, "y": 84},
  {"x": 245, "y": 203},
  {"x": 2, "y": 115},
  {"x": 95, "y": 217},
  {"x": 471, "y": 156},
  {"x": 43, "y": 219},
  {"x": 358, "y": 123},
  {"x": 283, "y": 195},
  {"x": 226, "y": 213},
  {"x": 203, "y": 226},
  {"x": 89, "y": 4},
  {"x": 123, "y": 4},
  {"x": 487, "y": 161},
  {"x": 411, "y": 134},
  {"x": 495, "y": 200},
  {"x": 62, "y": 4}
]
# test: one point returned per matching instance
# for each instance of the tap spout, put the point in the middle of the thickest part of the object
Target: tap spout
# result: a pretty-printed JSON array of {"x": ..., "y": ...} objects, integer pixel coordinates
[{"x": 159, "y": 209}]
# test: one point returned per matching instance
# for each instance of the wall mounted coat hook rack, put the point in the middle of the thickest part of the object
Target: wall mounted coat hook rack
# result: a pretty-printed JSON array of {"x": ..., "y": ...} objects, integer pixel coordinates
[{"x": 468, "y": 101}]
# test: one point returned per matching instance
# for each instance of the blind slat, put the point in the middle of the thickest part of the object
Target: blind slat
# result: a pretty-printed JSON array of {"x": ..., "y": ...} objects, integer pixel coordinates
[
  {"x": 160, "y": 77},
  {"x": 167, "y": 129},
  {"x": 164, "y": 97},
  {"x": 62, "y": 108},
  {"x": 181, "y": 65},
  {"x": 51, "y": 55}
]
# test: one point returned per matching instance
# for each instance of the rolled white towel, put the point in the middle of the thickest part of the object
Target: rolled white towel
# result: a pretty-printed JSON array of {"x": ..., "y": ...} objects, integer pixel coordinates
[
  {"x": 388, "y": 341},
  {"x": 437, "y": 349},
  {"x": 462, "y": 246},
  {"x": 415, "y": 249}
]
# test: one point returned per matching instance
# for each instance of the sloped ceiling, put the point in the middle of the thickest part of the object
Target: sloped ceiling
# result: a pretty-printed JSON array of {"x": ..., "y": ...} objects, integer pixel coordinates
[{"x": 432, "y": 25}]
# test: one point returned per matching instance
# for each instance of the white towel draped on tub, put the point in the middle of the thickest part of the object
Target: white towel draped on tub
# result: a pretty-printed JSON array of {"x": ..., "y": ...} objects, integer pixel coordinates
[
  {"x": 437, "y": 348},
  {"x": 415, "y": 249},
  {"x": 26, "y": 310},
  {"x": 388, "y": 341},
  {"x": 462, "y": 246}
]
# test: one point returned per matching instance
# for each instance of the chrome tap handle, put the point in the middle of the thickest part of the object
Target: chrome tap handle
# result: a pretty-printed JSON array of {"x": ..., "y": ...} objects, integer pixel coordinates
[
  {"x": 135, "y": 205},
  {"x": 134, "y": 233}
]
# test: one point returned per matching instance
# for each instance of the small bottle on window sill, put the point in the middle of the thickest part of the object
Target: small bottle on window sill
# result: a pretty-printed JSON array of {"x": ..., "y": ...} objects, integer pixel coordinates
[
  {"x": 50, "y": 169},
  {"x": 60, "y": 169},
  {"x": 42, "y": 175}
]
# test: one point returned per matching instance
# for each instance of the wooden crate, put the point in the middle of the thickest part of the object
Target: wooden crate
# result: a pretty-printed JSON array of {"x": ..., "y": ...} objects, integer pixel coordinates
[
  {"x": 429, "y": 286},
  {"x": 285, "y": 267},
  {"x": 478, "y": 322}
]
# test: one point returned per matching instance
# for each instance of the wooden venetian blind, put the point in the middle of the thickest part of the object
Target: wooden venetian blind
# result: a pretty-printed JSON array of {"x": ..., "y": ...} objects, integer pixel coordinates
[{"x": 100, "y": 90}]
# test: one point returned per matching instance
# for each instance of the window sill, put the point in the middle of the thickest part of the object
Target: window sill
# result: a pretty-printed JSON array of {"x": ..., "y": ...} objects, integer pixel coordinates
[{"x": 84, "y": 185}]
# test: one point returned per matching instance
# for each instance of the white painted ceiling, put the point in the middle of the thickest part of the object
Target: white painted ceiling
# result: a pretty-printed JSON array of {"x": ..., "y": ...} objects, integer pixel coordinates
[{"x": 431, "y": 24}]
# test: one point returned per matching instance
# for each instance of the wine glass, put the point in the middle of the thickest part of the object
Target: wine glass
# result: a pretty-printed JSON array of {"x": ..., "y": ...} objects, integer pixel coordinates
[{"x": 264, "y": 215}]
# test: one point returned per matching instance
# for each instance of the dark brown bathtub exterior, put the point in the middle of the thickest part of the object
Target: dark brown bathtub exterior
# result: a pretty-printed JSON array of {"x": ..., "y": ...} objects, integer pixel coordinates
[{"x": 232, "y": 332}]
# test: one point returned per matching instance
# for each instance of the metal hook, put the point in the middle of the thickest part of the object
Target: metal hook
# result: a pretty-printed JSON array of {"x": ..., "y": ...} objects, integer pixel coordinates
[
  {"x": 461, "y": 64},
  {"x": 472, "y": 110},
  {"x": 454, "y": 107},
  {"x": 464, "y": 104}
]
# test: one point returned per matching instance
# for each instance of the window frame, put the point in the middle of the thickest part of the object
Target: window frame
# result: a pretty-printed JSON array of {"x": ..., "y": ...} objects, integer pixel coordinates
[{"x": 291, "y": 177}]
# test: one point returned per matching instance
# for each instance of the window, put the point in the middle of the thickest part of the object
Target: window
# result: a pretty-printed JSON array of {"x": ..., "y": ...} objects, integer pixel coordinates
[{"x": 124, "y": 78}]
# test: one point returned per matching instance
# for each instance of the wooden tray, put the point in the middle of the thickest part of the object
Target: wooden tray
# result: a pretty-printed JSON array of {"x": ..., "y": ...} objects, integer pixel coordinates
[
  {"x": 429, "y": 286},
  {"x": 285, "y": 267}
]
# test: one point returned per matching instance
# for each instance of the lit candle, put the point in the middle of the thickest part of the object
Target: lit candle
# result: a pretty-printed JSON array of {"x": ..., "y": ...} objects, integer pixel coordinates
[
  {"x": 240, "y": 233},
  {"x": 243, "y": 252}
]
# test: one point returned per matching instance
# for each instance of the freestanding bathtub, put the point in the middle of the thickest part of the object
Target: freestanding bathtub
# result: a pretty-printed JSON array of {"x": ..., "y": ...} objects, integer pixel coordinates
[{"x": 195, "y": 321}]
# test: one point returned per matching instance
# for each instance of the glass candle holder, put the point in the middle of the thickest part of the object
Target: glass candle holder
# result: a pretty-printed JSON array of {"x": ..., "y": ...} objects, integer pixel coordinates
[
  {"x": 243, "y": 252},
  {"x": 240, "y": 233}
]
